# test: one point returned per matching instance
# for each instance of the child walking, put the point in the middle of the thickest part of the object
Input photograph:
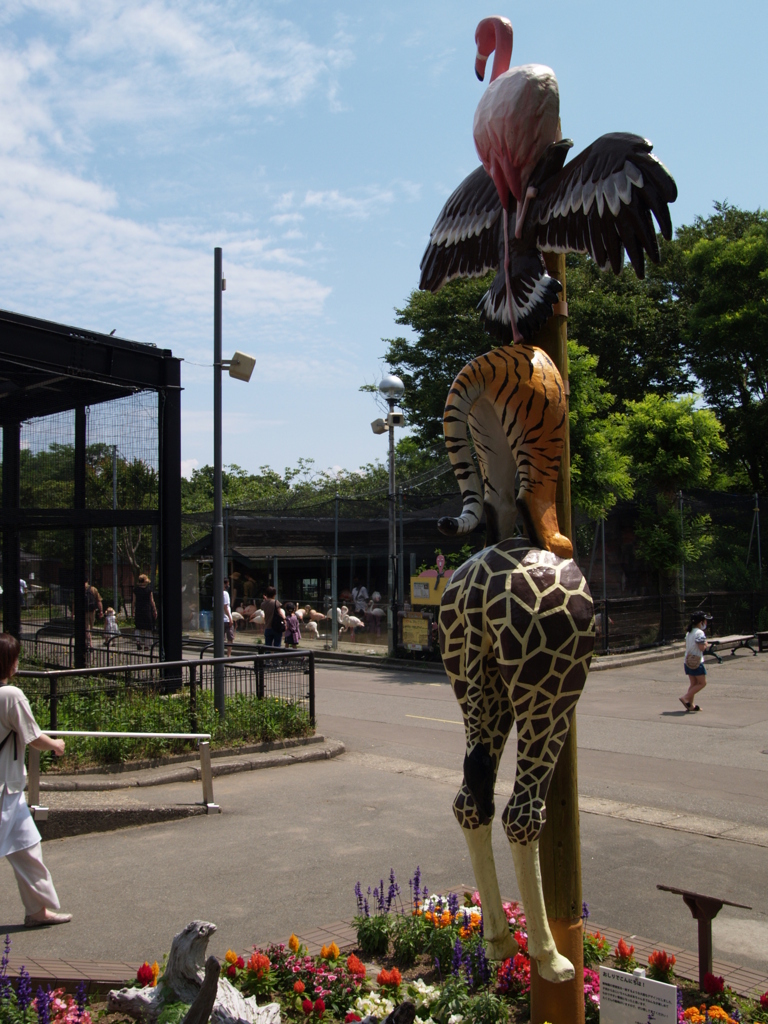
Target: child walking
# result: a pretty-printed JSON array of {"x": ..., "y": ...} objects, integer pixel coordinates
[{"x": 292, "y": 630}]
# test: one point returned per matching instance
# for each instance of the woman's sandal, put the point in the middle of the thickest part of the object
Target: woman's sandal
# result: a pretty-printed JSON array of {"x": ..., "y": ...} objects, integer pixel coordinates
[
  {"x": 694, "y": 707},
  {"x": 686, "y": 705}
]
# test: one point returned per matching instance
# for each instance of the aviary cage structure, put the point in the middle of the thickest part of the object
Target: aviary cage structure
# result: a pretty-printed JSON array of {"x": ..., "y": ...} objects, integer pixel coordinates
[{"x": 91, "y": 432}]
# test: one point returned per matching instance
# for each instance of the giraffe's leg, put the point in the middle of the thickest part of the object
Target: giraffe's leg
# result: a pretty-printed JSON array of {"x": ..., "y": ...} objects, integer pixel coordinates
[
  {"x": 543, "y": 707},
  {"x": 487, "y": 727},
  {"x": 551, "y": 965}
]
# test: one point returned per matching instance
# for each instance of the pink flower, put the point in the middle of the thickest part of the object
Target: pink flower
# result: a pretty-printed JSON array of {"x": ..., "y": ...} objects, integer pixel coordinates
[{"x": 476, "y": 898}]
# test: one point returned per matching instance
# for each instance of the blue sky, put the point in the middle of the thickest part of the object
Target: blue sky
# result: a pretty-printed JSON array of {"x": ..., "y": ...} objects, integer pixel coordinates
[{"x": 316, "y": 143}]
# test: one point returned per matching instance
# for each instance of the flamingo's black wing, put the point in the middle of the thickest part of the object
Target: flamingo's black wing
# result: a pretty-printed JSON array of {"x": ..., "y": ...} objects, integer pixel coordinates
[
  {"x": 465, "y": 239},
  {"x": 601, "y": 203}
]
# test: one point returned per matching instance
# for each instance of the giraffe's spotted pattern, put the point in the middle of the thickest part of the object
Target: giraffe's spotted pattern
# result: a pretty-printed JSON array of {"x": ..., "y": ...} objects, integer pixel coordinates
[{"x": 516, "y": 634}]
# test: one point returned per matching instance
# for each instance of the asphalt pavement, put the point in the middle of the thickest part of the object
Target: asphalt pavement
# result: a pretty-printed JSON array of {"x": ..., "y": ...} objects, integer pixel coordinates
[{"x": 292, "y": 841}]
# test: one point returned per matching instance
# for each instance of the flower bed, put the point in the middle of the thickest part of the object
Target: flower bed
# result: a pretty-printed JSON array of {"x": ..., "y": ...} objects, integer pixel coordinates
[{"x": 427, "y": 949}]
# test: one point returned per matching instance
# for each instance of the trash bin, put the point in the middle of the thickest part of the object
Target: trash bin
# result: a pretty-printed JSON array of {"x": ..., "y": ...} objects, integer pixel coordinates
[{"x": 206, "y": 619}]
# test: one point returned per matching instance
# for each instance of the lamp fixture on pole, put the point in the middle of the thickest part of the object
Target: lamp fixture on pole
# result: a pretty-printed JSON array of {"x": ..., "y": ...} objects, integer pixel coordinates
[{"x": 391, "y": 388}]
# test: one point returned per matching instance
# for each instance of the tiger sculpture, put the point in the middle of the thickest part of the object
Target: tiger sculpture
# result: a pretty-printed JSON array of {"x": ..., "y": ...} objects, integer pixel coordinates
[{"x": 513, "y": 401}]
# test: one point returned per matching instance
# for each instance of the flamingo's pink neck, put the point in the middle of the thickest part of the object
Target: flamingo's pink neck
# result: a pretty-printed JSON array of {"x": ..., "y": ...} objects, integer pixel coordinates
[{"x": 493, "y": 34}]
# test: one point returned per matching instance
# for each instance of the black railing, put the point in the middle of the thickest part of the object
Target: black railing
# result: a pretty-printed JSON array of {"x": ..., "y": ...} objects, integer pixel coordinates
[
  {"x": 288, "y": 676},
  {"x": 629, "y": 623}
]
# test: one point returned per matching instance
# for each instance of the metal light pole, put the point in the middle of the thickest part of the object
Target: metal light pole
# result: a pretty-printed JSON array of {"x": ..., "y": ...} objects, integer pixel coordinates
[
  {"x": 240, "y": 366},
  {"x": 217, "y": 535},
  {"x": 391, "y": 388},
  {"x": 115, "y": 600}
]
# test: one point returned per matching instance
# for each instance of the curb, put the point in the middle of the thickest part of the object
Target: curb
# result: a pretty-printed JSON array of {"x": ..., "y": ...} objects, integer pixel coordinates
[
  {"x": 271, "y": 759},
  {"x": 63, "y": 823}
]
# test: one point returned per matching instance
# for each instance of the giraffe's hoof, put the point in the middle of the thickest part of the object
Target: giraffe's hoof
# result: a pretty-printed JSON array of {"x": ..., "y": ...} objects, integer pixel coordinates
[
  {"x": 502, "y": 948},
  {"x": 554, "y": 967}
]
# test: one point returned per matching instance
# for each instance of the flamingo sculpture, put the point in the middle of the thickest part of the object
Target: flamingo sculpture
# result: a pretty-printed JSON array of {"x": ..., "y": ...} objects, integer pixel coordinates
[{"x": 522, "y": 201}]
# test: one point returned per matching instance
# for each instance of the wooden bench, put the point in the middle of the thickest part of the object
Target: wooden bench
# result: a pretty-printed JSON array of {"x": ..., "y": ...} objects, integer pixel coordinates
[{"x": 735, "y": 642}]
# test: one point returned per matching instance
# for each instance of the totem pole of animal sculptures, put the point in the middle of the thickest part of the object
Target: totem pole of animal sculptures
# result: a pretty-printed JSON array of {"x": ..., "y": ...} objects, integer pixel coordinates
[
  {"x": 516, "y": 623},
  {"x": 516, "y": 620}
]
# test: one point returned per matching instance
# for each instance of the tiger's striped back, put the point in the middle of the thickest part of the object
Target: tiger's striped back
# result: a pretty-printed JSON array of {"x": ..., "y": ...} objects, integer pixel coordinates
[{"x": 513, "y": 402}]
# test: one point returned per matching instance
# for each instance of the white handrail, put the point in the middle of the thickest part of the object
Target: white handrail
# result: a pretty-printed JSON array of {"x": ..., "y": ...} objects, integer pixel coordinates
[
  {"x": 132, "y": 735},
  {"x": 204, "y": 746}
]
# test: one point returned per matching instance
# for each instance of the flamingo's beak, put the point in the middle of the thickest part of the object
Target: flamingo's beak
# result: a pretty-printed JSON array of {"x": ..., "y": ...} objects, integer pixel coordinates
[{"x": 480, "y": 62}]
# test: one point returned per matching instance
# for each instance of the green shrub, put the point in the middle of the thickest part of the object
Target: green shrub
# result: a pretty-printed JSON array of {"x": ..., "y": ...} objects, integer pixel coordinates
[
  {"x": 373, "y": 934},
  {"x": 408, "y": 939}
]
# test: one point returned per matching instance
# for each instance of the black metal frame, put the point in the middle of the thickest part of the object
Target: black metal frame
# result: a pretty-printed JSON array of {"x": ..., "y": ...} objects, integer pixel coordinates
[{"x": 46, "y": 368}]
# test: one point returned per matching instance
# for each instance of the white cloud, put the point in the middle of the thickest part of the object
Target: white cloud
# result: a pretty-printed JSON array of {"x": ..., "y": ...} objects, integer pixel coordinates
[
  {"x": 367, "y": 201},
  {"x": 187, "y": 466}
]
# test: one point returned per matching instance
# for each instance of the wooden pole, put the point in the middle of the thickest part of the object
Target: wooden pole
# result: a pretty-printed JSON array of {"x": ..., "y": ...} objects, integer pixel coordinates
[{"x": 560, "y": 845}]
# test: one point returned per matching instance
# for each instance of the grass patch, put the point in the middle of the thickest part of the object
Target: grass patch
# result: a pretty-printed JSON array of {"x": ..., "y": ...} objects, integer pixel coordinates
[{"x": 248, "y": 719}]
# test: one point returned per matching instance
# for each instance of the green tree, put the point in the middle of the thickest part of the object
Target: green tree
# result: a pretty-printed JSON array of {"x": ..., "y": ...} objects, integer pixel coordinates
[
  {"x": 634, "y": 328},
  {"x": 725, "y": 286},
  {"x": 672, "y": 446}
]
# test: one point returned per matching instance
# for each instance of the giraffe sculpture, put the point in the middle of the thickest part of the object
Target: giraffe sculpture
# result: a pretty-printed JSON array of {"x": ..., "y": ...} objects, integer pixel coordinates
[{"x": 516, "y": 632}]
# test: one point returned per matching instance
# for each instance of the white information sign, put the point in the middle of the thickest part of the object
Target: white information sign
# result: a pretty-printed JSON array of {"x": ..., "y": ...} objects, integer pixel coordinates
[{"x": 630, "y": 999}]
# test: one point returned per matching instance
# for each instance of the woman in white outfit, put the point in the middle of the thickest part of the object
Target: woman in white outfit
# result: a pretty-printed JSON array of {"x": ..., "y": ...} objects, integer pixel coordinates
[{"x": 19, "y": 838}]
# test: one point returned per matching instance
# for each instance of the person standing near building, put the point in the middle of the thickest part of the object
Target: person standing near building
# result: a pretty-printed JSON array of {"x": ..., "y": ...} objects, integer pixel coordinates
[
  {"x": 229, "y": 622},
  {"x": 292, "y": 629},
  {"x": 93, "y": 607},
  {"x": 19, "y": 838},
  {"x": 274, "y": 618},
  {"x": 359, "y": 597},
  {"x": 144, "y": 612}
]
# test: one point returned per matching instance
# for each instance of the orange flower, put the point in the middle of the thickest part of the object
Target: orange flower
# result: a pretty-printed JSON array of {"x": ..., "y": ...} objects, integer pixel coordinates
[
  {"x": 259, "y": 964},
  {"x": 293, "y": 944},
  {"x": 623, "y": 950},
  {"x": 355, "y": 966},
  {"x": 330, "y": 952},
  {"x": 230, "y": 956},
  {"x": 298, "y": 987},
  {"x": 389, "y": 979}
]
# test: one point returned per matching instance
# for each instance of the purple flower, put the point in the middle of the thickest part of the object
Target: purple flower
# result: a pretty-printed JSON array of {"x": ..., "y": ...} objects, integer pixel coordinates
[
  {"x": 5, "y": 985},
  {"x": 453, "y": 903},
  {"x": 482, "y": 967},
  {"x": 23, "y": 990},
  {"x": 394, "y": 888},
  {"x": 456, "y": 961},
  {"x": 44, "y": 1005},
  {"x": 585, "y": 911},
  {"x": 81, "y": 998},
  {"x": 413, "y": 885},
  {"x": 359, "y": 895}
]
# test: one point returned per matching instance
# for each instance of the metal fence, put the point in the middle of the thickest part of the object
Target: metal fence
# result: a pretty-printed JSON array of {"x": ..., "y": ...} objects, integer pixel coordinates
[
  {"x": 286, "y": 675},
  {"x": 626, "y": 623}
]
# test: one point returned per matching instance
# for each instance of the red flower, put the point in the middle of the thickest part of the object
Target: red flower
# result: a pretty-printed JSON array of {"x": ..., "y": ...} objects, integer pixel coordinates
[
  {"x": 713, "y": 985},
  {"x": 623, "y": 951},
  {"x": 764, "y": 1000},
  {"x": 144, "y": 975},
  {"x": 351, "y": 1017},
  {"x": 259, "y": 964},
  {"x": 319, "y": 1007},
  {"x": 522, "y": 940},
  {"x": 232, "y": 971},
  {"x": 389, "y": 979},
  {"x": 298, "y": 987},
  {"x": 355, "y": 966},
  {"x": 662, "y": 961},
  {"x": 306, "y": 1005}
]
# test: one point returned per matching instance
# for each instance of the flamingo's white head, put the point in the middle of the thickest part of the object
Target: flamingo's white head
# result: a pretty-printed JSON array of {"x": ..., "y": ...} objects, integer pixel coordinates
[{"x": 494, "y": 33}]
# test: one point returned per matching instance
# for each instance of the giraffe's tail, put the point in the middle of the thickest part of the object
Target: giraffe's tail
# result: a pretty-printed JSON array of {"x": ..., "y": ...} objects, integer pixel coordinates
[{"x": 465, "y": 391}]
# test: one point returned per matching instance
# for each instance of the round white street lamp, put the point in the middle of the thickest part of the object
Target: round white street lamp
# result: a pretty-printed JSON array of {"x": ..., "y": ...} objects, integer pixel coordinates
[{"x": 392, "y": 388}]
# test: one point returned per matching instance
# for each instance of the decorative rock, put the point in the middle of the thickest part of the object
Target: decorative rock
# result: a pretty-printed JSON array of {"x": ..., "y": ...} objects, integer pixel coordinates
[{"x": 183, "y": 980}]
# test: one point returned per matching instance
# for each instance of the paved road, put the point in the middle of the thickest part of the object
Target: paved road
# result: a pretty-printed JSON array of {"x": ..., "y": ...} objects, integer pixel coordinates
[{"x": 292, "y": 842}]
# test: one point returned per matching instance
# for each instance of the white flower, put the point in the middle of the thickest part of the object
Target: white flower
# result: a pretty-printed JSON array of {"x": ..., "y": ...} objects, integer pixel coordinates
[
  {"x": 374, "y": 1005},
  {"x": 456, "y": 1018},
  {"x": 424, "y": 994}
]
